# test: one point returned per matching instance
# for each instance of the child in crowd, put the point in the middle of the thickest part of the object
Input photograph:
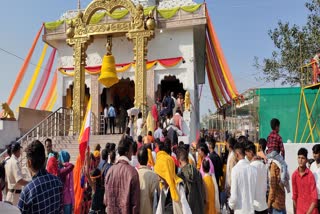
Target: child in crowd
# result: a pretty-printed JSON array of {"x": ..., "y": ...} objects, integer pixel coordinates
[{"x": 275, "y": 150}]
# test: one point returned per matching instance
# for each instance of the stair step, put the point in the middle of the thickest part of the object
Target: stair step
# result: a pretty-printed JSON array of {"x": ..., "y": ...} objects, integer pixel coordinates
[{"x": 71, "y": 144}]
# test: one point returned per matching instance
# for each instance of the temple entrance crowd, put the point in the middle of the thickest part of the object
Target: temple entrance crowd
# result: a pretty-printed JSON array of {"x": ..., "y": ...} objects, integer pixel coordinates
[
  {"x": 118, "y": 117},
  {"x": 154, "y": 173}
]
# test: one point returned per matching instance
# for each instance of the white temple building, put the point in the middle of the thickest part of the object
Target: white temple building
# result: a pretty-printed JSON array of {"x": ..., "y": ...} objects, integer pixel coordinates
[{"x": 180, "y": 37}]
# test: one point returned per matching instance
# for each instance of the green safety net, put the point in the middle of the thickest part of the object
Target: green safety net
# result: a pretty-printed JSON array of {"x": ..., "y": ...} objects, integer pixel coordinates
[{"x": 283, "y": 103}]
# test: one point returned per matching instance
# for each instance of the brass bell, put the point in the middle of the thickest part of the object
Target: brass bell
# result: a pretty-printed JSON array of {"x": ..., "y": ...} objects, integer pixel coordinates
[{"x": 108, "y": 76}]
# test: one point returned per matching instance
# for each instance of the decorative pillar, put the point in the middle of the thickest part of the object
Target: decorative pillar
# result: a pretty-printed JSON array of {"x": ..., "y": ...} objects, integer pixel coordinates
[
  {"x": 95, "y": 104},
  {"x": 79, "y": 47},
  {"x": 140, "y": 40}
]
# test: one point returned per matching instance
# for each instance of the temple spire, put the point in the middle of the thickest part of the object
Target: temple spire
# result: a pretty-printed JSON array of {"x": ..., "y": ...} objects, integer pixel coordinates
[{"x": 79, "y": 4}]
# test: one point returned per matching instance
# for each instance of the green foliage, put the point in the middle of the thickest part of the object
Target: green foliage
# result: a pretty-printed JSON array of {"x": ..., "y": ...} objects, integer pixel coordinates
[{"x": 295, "y": 46}]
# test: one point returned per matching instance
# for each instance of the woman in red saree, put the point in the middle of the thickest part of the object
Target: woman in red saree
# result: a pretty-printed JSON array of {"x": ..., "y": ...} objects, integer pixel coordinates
[{"x": 155, "y": 115}]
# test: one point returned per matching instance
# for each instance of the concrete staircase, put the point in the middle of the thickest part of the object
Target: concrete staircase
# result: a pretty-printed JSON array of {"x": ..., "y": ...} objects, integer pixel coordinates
[
  {"x": 71, "y": 145},
  {"x": 58, "y": 126}
]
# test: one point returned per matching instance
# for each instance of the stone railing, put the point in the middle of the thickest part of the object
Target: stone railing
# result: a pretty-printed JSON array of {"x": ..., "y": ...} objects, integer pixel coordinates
[{"x": 58, "y": 123}]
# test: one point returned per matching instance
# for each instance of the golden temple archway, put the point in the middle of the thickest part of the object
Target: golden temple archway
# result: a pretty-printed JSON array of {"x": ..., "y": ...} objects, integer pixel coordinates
[{"x": 81, "y": 33}]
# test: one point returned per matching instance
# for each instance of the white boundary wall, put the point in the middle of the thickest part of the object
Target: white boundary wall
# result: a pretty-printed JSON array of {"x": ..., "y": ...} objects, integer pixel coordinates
[{"x": 9, "y": 131}]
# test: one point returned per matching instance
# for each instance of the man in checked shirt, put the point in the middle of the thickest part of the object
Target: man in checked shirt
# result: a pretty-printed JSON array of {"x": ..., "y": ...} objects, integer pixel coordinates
[
  {"x": 275, "y": 151},
  {"x": 44, "y": 193}
]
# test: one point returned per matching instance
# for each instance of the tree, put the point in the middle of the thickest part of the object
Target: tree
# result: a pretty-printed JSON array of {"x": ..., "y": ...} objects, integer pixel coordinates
[
  {"x": 295, "y": 46},
  {"x": 204, "y": 121}
]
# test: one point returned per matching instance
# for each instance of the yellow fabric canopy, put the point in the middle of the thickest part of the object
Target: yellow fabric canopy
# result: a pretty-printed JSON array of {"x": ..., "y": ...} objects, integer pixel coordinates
[
  {"x": 53, "y": 25},
  {"x": 171, "y": 12},
  {"x": 148, "y": 9},
  {"x": 168, "y": 13},
  {"x": 191, "y": 8},
  {"x": 119, "y": 14},
  {"x": 96, "y": 18}
]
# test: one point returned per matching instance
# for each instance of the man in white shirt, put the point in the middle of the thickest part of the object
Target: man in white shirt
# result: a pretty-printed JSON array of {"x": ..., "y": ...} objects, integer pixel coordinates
[
  {"x": 315, "y": 169},
  {"x": 175, "y": 103},
  {"x": 260, "y": 201},
  {"x": 158, "y": 132},
  {"x": 134, "y": 159},
  {"x": 243, "y": 184},
  {"x": 14, "y": 175},
  {"x": 231, "y": 162}
]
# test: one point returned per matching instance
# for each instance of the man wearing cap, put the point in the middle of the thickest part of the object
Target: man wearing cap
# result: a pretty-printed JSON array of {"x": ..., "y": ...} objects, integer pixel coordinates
[{"x": 14, "y": 175}]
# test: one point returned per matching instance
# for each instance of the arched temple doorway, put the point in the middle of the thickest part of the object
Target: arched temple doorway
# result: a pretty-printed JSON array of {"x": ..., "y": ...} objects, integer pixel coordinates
[
  {"x": 119, "y": 95},
  {"x": 67, "y": 99},
  {"x": 169, "y": 84}
]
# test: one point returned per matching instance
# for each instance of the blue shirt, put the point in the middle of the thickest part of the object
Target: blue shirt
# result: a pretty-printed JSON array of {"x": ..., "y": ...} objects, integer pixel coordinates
[
  {"x": 111, "y": 112},
  {"x": 102, "y": 162},
  {"x": 106, "y": 168},
  {"x": 42, "y": 195}
]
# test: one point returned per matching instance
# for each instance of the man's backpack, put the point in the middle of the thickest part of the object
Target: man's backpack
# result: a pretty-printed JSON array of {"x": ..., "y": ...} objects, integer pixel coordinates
[{"x": 173, "y": 136}]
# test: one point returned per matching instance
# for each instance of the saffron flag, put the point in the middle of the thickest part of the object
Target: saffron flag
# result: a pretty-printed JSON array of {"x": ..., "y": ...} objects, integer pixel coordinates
[
  {"x": 78, "y": 169},
  {"x": 85, "y": 132}
]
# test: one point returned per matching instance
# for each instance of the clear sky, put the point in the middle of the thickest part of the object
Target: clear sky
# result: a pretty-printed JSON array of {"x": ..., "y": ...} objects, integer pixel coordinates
[{"x": 241, "y": 25}]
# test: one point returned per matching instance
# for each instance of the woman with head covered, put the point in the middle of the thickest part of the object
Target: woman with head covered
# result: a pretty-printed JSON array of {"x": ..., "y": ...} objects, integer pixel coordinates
[
  {"x": 172, "y": 194},
  {"x": 67, "y": 180}
]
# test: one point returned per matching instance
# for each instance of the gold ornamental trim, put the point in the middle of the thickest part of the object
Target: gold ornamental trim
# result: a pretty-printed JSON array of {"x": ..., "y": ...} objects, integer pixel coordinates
[{"x": 80, "y": 34}]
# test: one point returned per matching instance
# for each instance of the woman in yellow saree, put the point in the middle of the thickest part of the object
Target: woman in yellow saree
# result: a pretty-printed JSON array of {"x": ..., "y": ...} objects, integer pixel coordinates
[{"x": 209, "y": 187}]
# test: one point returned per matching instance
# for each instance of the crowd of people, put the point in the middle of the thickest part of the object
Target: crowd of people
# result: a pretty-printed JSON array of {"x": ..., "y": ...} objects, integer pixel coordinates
[
  {"x": 171, "y": 107},
  {"x": 157, "y": 174}
]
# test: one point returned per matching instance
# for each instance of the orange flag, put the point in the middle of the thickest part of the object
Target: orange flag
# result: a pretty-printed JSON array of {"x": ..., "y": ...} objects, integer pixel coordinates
[{"x": 78, "y": 169}]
